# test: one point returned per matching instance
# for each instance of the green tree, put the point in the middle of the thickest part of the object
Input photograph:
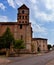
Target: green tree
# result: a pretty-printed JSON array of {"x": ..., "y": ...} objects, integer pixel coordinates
[
  {"x": 8, "y": 39},
  {"x": 2, "y": 45},
  {"x": 49, "y": 46},
  {"x": 19, "y": 45}
]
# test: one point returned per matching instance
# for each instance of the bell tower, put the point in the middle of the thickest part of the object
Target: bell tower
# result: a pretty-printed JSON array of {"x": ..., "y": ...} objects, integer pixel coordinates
[
  {"x": 23, "y": 15},
  {"x": 24, "y": 26}
]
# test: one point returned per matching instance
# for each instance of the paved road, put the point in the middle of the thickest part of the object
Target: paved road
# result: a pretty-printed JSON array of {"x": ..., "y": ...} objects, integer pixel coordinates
[
  {"x": 51, "y": 62},
  {"x": 32, "y": 60}
]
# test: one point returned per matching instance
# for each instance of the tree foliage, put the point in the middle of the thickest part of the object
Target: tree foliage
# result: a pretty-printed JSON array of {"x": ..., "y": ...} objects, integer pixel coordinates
[
  {"x": 1, "y": 43},
  {"x": 7, "y": 38},
  {"x": 19, "y": 44},
  {"x": 49, "y": 46}
]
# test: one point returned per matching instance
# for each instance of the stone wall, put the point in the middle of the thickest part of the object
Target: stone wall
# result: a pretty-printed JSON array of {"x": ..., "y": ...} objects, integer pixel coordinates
[{"x": 41, "y": 44}]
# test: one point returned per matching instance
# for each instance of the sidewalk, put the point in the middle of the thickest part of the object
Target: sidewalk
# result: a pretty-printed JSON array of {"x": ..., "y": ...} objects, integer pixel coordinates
[{"x": 51, "y": 62}]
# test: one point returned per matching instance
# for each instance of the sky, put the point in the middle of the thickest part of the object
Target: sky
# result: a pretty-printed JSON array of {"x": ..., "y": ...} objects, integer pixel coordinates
[{"x": 41, "y": 16}]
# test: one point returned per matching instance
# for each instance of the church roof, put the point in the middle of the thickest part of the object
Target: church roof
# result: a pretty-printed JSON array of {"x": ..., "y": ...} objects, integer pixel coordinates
[
  {"x": 39, "y": 39},
  {"x": 8, "y": 23},
  {"x": 23, "y": 7},
  {"x": 11, "y": 23}
]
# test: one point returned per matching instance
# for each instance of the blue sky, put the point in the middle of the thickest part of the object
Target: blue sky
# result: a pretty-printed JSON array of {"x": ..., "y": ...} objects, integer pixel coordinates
[{"x": 41, "y": 16}]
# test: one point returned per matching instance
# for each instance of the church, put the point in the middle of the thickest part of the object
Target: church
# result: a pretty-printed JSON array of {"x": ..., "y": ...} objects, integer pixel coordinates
[{"x": 22, "y": 30}]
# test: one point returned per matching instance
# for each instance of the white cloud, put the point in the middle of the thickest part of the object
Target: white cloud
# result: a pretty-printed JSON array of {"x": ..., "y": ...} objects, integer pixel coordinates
[
  {"x": 43, "y": 15},
  {"x": 39, "y": 31},
  {"x": 3, "y": 18},
  {"x": 34, "y": 7},
  {"x": 33, "y": 1},
  {"x": 11, "y": 3},
  {"x": 50, "y": 43},
  {"x": 49, "y": 4},
  {"x": 2, "y": 6},
  {"x": 38, "y": 27},
  {"x": 20, "y": 2}
]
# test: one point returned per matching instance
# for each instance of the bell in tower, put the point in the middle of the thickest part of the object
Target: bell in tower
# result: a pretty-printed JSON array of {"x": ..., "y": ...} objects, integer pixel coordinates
[{"x": 23, "y": 15}]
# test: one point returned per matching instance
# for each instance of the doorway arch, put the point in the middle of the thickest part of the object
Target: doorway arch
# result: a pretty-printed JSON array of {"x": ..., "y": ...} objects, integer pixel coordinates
[{"x": 38, "y": 49}]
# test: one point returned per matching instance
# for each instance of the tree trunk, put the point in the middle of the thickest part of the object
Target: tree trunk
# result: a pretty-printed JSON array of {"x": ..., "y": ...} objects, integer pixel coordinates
[{"x": 7, "y": 52}]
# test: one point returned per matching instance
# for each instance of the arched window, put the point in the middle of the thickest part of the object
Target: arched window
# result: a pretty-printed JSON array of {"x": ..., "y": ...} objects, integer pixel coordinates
[
  {"x": 19, "y": 17},
  {"x": 22, "y": 11},
  {"x": 25, "y": 17},
  {"x": 20, "y": 26},
  {"x": 25, "y": 21},
  {"x": 22, "y": 21},
  {"x": 22, "y": 17}
]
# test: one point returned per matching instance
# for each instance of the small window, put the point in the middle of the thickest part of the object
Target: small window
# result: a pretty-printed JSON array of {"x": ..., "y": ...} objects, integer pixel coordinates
[
  {"x": 43, "y": 45},
  {"x": 23, "y": 12},
  {"x": 22, "y": 17},
  {"x": 25, "y": 21},
  {"x": 19, "y": 21},
  {"x": 20, "y": 26},
  {"x": 22, "y": 21},
  {"x": 19, "y": 17},
  {"x": 25, "y": 17},
  {"x": 21, "y": 37}
]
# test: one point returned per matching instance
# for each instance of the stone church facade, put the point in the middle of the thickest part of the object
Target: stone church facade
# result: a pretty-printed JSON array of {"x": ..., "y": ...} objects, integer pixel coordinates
[{"x": 22, "y": 30}]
